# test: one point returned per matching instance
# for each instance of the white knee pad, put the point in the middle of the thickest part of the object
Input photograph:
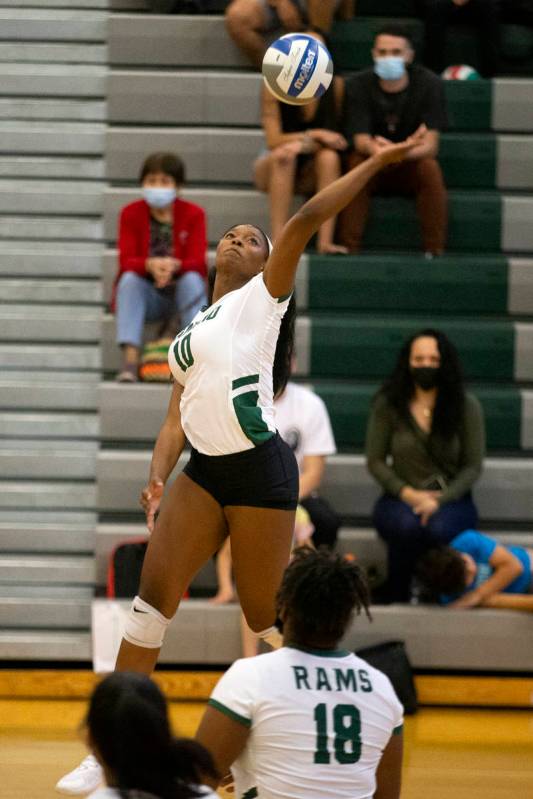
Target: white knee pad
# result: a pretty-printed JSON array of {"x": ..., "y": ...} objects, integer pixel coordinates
[{"x": 145, "y": 625}]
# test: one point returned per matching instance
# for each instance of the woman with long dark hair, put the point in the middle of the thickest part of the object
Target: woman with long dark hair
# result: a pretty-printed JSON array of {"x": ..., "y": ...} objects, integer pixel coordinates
[
  {"x": 425, "y": 446},
  {"x": 128, "y": 731},
  {"x": 241, "y": 480}
]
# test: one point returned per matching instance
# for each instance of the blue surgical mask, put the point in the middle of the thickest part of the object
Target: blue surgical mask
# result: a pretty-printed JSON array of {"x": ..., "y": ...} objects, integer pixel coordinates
[
  {"x": 159, "y": 197},
  {"x": 390, "y": 67}
]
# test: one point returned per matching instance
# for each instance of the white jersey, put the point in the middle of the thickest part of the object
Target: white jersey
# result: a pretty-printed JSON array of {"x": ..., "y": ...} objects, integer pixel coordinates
[
  {"x": 303, "y": 422},
  {"x": 319, "y": 723},
  {"x": 224, "y": 361}
]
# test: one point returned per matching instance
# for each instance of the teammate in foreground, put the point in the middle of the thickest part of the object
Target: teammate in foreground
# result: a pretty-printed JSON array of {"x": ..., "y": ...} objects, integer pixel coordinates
[
  {"x": 241, "y": 479},
  {"x": 309, "y": 720}
]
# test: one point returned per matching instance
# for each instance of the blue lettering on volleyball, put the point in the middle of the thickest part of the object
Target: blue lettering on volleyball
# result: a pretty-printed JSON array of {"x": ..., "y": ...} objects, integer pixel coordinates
[{"x": 306, "y": 70}]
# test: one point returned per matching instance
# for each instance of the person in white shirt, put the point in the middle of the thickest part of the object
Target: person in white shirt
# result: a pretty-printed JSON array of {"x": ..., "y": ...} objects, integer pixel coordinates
[
  {"x": 241, "y": 480},
  {"x": 128, "y": 731},
  {"x": 310, "y": 720}
]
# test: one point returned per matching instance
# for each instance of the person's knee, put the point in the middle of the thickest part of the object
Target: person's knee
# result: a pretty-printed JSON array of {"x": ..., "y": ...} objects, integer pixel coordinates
[
  {"x": 243, "y": 15},
  {"x": 429, "y": 171},
  {"x": 128, "y": 282},
  {"x": 145, "y": 625},
  {"x": 327, "y": 158},
  {"x": 259, "y": 619},
  {"x": 283, "y": 157}
]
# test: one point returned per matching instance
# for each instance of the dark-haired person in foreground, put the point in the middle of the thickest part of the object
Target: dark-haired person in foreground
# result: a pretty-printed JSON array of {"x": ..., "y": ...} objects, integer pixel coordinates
[
  {"x": 310, "y": 720},
  {"x": 128, "y": 731},
  {"x": 162, "y": 250},
  {"x": 425, "y": 446},
  {"x": 241, "y": 479},
  {"x": 388, "y": 103},
  {"x": 477, "y": 571}
]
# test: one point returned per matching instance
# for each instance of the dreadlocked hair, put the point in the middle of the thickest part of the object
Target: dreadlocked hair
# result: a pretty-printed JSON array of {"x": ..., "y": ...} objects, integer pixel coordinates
[
  {"x": 319, "y": 593},
  {"x": 441, "y": 570}
]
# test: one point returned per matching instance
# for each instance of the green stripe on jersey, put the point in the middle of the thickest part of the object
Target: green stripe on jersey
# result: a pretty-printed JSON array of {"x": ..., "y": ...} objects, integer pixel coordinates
[
  {"x": 398, "y": 730},
  {"x": 249, "y": 380},
  {"x": 250, "y": 417},
  {"x": 251, "y": 793},
  {"x": 230, "y": 713}
]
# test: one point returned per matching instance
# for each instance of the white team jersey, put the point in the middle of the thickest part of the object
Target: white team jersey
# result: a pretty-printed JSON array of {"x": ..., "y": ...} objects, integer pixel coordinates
[
  {"x": 318, "y": 724},
  {"x": 303, "y": 422},
  {"x": 224, "y": 360}
]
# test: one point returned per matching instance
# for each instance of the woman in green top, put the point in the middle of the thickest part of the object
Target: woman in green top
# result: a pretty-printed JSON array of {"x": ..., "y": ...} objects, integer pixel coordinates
[{"x": 425, "y": 446}]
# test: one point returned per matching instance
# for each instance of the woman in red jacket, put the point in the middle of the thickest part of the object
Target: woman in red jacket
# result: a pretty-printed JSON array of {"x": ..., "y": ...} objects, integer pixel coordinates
[{"x": 162, "y": 258}]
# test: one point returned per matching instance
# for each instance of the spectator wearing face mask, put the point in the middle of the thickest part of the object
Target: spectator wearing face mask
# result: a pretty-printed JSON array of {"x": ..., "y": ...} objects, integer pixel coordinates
[
  {"x": 425, "y": 447},
  {"x": 162, "y": 259},
  {"x": 385, "y": 104}
]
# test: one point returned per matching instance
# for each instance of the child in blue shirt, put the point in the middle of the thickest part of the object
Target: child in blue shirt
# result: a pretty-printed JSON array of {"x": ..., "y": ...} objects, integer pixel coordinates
[{"x": 474, "y": 570}]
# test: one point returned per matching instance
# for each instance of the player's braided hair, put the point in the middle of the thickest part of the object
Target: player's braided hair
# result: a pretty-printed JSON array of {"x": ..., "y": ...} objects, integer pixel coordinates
[
  {"x": 128, "y": 724},
  {"x": 319, "y": 593}
]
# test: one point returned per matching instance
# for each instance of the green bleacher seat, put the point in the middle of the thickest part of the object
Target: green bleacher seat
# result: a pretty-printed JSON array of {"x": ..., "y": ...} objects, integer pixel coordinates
[
  {"x": 351, "y": 41},
  {"x": 348, "y": 406},
  {"x": 451, "y": 284},
  {"x": 469, "y": 160},
  {"x": 469, "y": 104},
  {"x": 474, "y": 223},
  {"x": 366, "y": 346}
]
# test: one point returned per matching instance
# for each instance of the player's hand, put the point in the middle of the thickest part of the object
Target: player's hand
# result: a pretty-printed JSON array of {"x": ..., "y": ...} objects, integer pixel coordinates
[
  {"x": 395, "y": 153},
  {"x": 150, "y": 500}
]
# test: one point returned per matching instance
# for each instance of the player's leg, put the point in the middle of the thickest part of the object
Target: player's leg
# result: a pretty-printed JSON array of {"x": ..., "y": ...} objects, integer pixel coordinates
[
  {"x": 190, "y": 528},
  {"x": 261, "y": 541}
]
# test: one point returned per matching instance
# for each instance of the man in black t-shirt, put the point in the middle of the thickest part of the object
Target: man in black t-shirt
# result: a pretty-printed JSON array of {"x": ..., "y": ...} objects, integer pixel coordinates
[{"x": 389, "y": 102}]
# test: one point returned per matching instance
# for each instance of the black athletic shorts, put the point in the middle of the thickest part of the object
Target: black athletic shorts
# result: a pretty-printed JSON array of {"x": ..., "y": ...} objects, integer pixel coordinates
[{"x": 265, "y": 476}]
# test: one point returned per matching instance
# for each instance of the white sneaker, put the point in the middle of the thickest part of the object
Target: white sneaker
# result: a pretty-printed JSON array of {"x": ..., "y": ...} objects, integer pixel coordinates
[{"x": 84, "y": 779}]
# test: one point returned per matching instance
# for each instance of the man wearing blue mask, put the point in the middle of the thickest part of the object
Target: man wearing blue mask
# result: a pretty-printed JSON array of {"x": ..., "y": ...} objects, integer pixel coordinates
[
  {"x": 162, "y": 258},
  {"x": 384, "y": 104}
]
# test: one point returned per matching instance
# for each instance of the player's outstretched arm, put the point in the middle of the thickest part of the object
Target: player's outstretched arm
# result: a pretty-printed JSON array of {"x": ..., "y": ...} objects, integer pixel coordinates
[
  {"x": 167, "y": 449},
  {"x": 281, "y": 266}
]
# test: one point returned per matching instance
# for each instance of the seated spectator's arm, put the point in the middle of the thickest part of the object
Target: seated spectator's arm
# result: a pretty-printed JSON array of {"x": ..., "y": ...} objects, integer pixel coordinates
[
  {"x": 311, "y": 474},
  {"x": 365, "y": 144},
  {"x": 510, "y": 602},
  {"x": 429, "y": 148},
  {"x": 389, "y": 771},
  {"x": 377, "y": 447},
  {"x": 346, "y": 9},
  {"x": 473, "y": 452},
  {"x": 272, "y": 123},
  {"x": 506, "y": 567},
  {"x": 129, "y": 257},
  {"x": 195, "y": 249}
]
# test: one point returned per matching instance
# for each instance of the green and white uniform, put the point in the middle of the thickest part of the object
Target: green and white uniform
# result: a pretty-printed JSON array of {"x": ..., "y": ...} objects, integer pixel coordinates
[
  {"x": 224, "y": 360},
  {"x": 319, "y": 723}
]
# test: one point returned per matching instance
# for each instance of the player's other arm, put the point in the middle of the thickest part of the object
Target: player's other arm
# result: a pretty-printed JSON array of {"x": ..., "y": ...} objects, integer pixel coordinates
[
  {"x": 168, "y": 448},
  {"x": 389, "y": 773},
  {"x": 281, "y": 266},
  {"x": 224, "y": 738}
]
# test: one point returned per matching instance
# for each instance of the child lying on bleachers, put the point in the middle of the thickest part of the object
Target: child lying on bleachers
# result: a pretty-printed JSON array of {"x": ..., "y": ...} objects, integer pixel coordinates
[{"x": 475, "y": 570}]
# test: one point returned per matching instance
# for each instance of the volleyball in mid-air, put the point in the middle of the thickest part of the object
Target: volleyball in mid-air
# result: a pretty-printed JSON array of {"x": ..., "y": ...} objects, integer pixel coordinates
[
  {"x": 460, "y": 72},
  {"x": 297, "y": 68}
]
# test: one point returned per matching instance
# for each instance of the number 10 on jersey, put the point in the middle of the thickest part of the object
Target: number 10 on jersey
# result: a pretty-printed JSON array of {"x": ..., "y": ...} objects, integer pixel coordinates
[{"x": 346, "y": 721}]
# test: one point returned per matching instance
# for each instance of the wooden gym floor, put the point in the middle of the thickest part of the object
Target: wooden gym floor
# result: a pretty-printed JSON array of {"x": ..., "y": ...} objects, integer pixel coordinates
[{"x": 450, "y": 753}]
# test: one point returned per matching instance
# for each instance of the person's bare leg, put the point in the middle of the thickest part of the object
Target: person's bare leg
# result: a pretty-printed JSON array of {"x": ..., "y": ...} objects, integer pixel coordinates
[
  {"x": 281, "y": 188},
  {"x": 261, "y": 169},
  {"x": 328, "y": 169},
  {"x": 190, "y": 528},
  {"x": 245, "y": 22},
  {"x": 320, "y": 13},
  {"x": 261, "y": 545},
  {"x": 225, "y": 592},
  {"x": 250, "y": 644}
]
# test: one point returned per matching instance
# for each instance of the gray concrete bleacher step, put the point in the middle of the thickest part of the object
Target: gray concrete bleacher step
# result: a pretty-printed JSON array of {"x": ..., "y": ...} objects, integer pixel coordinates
[
  {"x": 65, "y": 259},
  {"x": 52, "y": 80},
  {"x": 18, "y": 613},
  {"x": 36, "y": 357},
  {"x": 62, "y": 197},
  {"x": 56, "y": 109},
  {"x": 52, "y": 24},
  {"x": 46, "y": 569},
  {"x": 503, "y": 493},
  {"x": 53, "y": 228},
  {"x": 32, "y": 290},
  {"x": 49, "y": 425},
  {"x": 54, "y": 536},
  {"x": 49, "y": 323},
  {"x": 53, "y": 53},
  {"x": 51, "y": 390},
  {"x": 37, "y": 459},
  {"x": 45, "y": 645},
  {"x": 37, "y": 495},
  {"x": 50, "y": 167},
  {"x": 47, "y": 137}
]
